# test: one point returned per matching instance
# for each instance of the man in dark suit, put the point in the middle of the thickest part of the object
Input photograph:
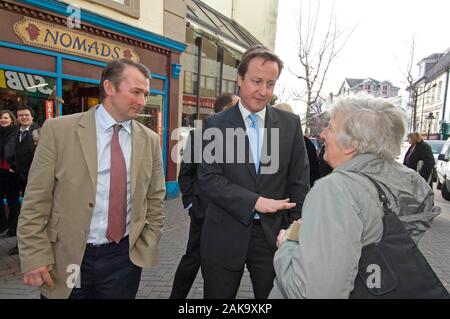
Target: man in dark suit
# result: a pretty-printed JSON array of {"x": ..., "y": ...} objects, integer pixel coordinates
[
  {"x": 257, "y": 194},
  {"x": 25, "y": 145},
  {"x": 187, "y": 178}
]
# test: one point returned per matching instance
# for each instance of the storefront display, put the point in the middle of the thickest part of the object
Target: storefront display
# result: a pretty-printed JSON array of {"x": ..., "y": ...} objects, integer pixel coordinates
[{"x": 56, "y": 70}]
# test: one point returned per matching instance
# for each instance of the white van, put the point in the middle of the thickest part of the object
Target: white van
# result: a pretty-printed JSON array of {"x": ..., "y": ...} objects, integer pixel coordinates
[{"x": 443, "y": 170}]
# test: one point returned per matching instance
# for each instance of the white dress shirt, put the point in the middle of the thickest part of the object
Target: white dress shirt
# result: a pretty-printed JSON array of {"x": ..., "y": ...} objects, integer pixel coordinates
[{"x": 104, "y": 132}]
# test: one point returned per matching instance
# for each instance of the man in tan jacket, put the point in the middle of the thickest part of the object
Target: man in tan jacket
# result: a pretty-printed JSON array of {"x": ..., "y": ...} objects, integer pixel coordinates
[{"x": 93, "y": 209}]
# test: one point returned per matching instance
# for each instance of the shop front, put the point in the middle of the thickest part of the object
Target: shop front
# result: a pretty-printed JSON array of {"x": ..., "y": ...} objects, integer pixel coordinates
[{"x": 56, "y": 70}]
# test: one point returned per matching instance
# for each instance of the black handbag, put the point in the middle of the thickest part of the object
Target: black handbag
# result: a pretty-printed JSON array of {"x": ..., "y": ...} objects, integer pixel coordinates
[{"x": 394, "y": 267}]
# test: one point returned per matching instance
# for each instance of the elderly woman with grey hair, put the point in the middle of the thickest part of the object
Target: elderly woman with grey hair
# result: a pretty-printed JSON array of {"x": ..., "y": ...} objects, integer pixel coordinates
[{"x": 343, "y": 221}]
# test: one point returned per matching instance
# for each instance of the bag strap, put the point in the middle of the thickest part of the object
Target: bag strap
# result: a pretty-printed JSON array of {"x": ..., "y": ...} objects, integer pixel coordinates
[{"x": 381, "y": 194}]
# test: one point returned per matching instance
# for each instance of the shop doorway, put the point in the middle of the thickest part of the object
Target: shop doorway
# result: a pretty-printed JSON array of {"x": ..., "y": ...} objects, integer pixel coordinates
[
  {"x": 79, "y": 96},
  {"x": 152, "y": 114}
]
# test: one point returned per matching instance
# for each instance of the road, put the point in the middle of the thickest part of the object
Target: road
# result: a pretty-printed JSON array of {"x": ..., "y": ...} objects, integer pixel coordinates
[{"x": 156, "y": 283}]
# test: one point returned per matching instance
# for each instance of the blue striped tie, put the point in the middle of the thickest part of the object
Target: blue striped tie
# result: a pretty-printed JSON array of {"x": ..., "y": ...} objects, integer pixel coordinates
[{"x": 253, "y": 136}]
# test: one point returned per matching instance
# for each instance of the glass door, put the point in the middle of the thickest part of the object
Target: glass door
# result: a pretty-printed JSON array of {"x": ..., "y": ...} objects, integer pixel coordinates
[{"x": 152, "y": 115}]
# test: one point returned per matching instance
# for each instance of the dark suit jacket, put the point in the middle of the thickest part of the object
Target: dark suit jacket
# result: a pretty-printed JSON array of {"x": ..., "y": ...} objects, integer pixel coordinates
[
  {"x": 187, "y": 178},
  {"x": 234, "y": 188},
  {"x": 422, "y": 152},
  {"x": 314, "y": 173},
  {"x": 24, "y": 152}
]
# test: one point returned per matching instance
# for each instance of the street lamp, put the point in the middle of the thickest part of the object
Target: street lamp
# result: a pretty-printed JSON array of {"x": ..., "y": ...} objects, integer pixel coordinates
[{"x": 430, "y": 118}]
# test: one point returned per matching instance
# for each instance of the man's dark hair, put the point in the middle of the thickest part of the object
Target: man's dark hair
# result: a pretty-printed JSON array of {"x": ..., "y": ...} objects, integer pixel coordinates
[
  {"x": 258, "y": 51},
  {"x": 113, "y": 72},
  {"x": 224, "y": 99},
  {"x": 24, "y": 107}
]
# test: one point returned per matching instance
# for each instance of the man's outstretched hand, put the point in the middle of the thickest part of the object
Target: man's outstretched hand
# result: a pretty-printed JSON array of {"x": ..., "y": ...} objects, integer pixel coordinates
[{"x": 267, "y": 205}]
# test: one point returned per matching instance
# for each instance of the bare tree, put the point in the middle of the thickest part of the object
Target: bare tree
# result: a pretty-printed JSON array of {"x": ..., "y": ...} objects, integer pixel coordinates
[
  {"x": 414, "y": 86},
  {"x": 315, "y": 55}
]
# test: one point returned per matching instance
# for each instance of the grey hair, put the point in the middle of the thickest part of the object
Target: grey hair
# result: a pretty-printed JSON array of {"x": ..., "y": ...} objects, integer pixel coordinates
[{"x": 371, "y": 125}]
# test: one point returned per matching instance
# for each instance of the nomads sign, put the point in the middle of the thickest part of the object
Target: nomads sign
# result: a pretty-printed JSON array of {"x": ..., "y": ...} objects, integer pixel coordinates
[{"x": 72, "y": 41}]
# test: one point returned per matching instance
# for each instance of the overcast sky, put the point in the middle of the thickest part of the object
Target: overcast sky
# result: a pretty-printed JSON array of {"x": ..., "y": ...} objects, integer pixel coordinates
[{"x": 380, "y": 44}]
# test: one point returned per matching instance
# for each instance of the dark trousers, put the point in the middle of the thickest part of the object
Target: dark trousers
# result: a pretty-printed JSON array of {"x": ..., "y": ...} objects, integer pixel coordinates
[
  {"x": 108, "y": 273},
  {"x": 190, "y": 262},
  {"x": 9, "y": 187},
  {"x": 221, "y": 283}
]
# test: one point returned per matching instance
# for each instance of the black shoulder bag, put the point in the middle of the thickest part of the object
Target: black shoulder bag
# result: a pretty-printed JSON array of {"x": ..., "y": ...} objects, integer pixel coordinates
[{"x": 395, "y": 267}]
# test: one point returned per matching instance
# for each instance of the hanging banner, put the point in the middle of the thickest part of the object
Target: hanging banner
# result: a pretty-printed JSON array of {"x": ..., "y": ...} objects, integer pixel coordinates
[
  {"x": 49, "y": 109},
  {"x": 72, "y": 41}
]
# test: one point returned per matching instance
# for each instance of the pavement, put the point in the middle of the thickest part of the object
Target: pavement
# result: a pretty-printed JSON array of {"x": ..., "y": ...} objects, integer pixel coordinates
[{"x": 156, "y": 283}]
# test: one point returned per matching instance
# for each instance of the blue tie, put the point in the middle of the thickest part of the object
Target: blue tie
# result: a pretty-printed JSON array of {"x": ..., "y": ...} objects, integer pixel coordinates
[{"x": 253, "y": 136}]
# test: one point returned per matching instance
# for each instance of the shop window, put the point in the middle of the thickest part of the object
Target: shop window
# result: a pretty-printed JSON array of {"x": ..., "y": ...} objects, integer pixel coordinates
[
  {"x": 433, "y": 93},
  {"x": 152, "y": 114},
  {"x": 439, "y": 91},
  {"x": 128, "y": 7},
  {"x": 36, "y": 91},
  {"x": 79, "y": 96}
]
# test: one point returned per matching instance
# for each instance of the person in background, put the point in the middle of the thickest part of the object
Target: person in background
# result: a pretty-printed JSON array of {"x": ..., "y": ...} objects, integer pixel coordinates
[
  {"x": 196, "y": 205},
  {"x": 419, "y": 157},
  {"x": 324, "y": 168},
  {"x": 343, "y": 215},
  {"x": 225, "y": 101},
  {"x": 314, "y": 173},
  {"x": 92, "y": 215},
  {"x": 9, "y": 186},
  {"x": 25, "y": 146},
  {"x": 252, "y": 199}
]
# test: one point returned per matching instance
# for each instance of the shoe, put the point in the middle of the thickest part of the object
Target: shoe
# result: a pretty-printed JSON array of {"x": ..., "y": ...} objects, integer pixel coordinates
[{"x": 13, "y": 251}]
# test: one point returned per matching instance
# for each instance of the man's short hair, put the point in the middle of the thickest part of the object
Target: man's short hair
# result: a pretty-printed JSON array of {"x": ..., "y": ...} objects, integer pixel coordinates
[
  {"x": 25, "y": 107},
  {"x": 258, "y": 51},
  {"x": 223, "y": 100},
  {"x": 113, "y": 72}
]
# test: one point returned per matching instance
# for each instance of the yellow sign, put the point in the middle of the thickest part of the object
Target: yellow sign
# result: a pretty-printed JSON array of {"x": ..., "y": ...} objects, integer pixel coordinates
[
  {"x": 2, "y": 80},
  {"x": 71, "y": 41}
]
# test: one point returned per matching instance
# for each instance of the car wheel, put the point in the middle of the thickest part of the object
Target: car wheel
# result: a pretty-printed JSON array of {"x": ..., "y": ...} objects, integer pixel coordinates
[
  {"x": 439, "y": 185},
  {"x": 444, "y": 191}
]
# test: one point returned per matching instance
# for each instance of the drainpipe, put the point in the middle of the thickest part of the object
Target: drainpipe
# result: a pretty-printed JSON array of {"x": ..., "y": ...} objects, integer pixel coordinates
[
  {"x": 445, "y": 96},
  {"x": 220, "y": 55},
  {"x": 198, "y": 43}
]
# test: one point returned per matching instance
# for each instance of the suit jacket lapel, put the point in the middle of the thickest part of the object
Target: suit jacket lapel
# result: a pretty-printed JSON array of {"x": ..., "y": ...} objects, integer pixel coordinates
[
  {"x": 137, "y": 145},
  {"x": 87, "y": 134},
  {"x": 237, "y": 121}
]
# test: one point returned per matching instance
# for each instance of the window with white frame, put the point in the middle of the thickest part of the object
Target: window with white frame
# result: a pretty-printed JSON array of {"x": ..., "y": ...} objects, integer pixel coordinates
[
  {"x": 433, "y": 93},
  {"x": 439, "y": 91},
  {"x": 129, "y": 7}
]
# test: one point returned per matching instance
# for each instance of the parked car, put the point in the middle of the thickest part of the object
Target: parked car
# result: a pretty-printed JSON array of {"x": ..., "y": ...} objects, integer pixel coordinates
[
  {"x": 443, "y": 170},
  {"x": 436, "y": 148}
]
